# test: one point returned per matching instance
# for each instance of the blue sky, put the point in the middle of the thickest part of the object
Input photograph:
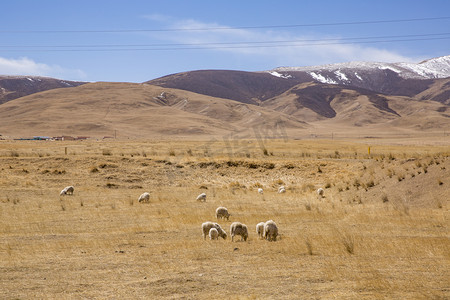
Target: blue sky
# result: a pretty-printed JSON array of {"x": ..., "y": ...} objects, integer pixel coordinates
[{"x": 136, "y": 41}]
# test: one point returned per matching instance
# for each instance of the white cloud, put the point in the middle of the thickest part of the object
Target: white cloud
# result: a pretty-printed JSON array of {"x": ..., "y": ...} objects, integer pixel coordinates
[
  {"x": 158, "y": 17},
  {"x": 26, "y": 66},
  {"x": 295, "y": 50}
]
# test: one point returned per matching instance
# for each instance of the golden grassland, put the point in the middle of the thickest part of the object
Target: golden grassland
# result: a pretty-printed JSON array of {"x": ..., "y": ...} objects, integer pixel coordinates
[{"x": 380, "y": 231}]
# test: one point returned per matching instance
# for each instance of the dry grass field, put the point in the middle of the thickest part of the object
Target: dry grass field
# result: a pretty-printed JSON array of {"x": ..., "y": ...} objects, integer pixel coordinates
[{"x": 381, "y": 231}]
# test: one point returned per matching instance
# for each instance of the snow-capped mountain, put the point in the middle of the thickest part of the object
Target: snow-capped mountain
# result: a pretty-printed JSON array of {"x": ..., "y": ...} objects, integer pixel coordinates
[
  {"x": 429, "y": 69},
  {"x": 351, "y": 72},
  {"x": 375, "y": 76}
]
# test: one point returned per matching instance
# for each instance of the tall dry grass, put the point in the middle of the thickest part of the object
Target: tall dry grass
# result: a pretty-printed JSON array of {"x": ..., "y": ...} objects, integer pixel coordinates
[{"x": 370, "y": 236}]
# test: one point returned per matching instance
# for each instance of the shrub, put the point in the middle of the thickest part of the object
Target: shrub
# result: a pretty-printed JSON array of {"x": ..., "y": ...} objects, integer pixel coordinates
[
  {"x": 112, "y": 185},
  {"x": 348, "y": 240},
  {"x": 236, "y": 185},
  {"x": 309, "y": 246},
  {"x": 269, "y": 166},
  {"x": 257, "y": 185},
  {"x": 278, "y": 182},
  {"x": 308, "y": 206},
  {"x": 370, "y": 184}
]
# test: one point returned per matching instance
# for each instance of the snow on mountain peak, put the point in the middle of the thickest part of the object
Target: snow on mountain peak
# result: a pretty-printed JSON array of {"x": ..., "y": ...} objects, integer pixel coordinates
[
  {"x": 276, "y": 74},
  {"x": 429, "y": 69}
]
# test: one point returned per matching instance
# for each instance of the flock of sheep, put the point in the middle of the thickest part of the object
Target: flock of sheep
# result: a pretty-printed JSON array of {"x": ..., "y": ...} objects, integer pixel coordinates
[{"x": 265, "y": 230}]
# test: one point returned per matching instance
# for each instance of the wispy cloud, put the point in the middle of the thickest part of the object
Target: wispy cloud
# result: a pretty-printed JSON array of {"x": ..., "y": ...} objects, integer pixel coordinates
[
  {"x": 158, "y": 18},
  {"x": 26, "y": 66},
  {"x": 293, "y": 49}
]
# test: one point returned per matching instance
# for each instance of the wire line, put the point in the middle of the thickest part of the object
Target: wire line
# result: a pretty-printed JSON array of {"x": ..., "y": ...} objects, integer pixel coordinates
[
  {"x": 226, "y": 43},
  {"x": 203, "y": 47},
  {"x": 228, "y": 28}
]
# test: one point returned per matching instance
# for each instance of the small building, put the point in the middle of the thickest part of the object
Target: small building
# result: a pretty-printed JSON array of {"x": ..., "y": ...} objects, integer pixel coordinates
[
  {"x": 64, "y": 138},
  {"x": 41, "y": 138}
]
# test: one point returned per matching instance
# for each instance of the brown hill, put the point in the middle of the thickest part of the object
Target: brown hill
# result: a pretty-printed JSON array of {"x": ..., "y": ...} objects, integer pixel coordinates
[
  {"x": 340, "y": 109},
  {"x": 13, "y": 87},
  {"x": 133, "y": 110},
  {"x": 438, "y": 91},
  {"x": 257, "y": 87},
  {"x": 246, "y": 87},
  {"x": 143, "y": 111}
]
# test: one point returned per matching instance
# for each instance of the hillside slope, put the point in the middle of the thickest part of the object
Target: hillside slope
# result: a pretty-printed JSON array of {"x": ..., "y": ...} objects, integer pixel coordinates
[
  {"x": 133, "y": 110},
  {"x": 216, "y": 103},
  {"x": 13, "y": 87},
  {"x": 399, "y": 79}
]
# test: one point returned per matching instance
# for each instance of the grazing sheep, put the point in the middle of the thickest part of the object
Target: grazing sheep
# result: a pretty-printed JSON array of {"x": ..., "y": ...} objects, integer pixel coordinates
[
  {"x": 213, "y": 234},
  {"x": 222, "y": 213},
  {"x": 145, "y": 197},
  {"x": 270, "y": 231},
  {"x": 68, "y": 190},
  {"x": 281, "y": 190},
  {"x": 320, "y": 192},
  {"x": 260, "y": 229},
  {"x": 201, "y": 197},
  {"x": 238, "y": 228},
  {"x": 260, "y": 190},
  {"x": 206, "y": 227}
]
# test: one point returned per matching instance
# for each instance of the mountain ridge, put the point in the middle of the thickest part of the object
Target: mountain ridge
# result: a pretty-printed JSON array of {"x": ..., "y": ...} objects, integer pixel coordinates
[
  {"x": 433, "y": 68},
  {"x": 218, "y": 103},
  {"x": 13, "y": 87},
  {"x": 381, "y": 78}
]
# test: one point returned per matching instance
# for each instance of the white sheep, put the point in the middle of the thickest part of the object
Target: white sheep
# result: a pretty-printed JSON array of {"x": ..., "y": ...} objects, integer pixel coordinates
[
  {"x": 238, "y": 228},
  {"x": 213, "y": 234},
  {"x": 320, "y": 192},
  {"x": 270, "y": 231},
  {"x": 260, "y": 190},
  {"x": 281, "y": 190},
  {"x": 222, "y": 213},
  {"x": 260, "y": 229},
  {"x": 201, "y": 197},
  {"x": 68, "y": 190},
  {"x": 145, "y": 198},
  {"x": 206, "y": 227}
]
